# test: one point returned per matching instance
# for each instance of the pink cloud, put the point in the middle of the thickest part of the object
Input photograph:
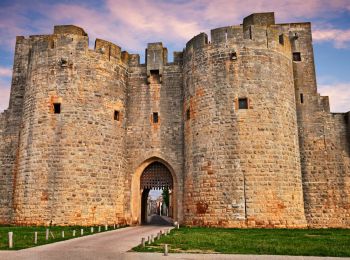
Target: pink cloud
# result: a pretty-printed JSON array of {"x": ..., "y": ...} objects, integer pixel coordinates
[
  {"x": 131, "y": 24},
  {"x": 97, "y": 24},
  {"x": 12, "y": 23},
  {"x": 231, "y": 12},
  {"x": 340, "y": 38},
  {"x": 162, "y": 19},
  {"x": 5, "y": 72},
  {"x": 339, "y": 96},
  {"x": 5, "y": 83},
  {"x": 4, "y": 95}
]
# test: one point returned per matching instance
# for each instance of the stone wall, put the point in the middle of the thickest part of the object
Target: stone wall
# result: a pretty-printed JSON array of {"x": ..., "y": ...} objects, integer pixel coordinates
[
  {"x": 10, "y": 130},
  {"x": 147, "y": 94},
  {"x": 240, "y": 125},
  {"x": 71, "y": 165},
  {"x": 327, "y": 182},
  {"x": 324, "y": 147},
  {"x": 242, "y": 166},
  {"x": 6, "y": 178}
]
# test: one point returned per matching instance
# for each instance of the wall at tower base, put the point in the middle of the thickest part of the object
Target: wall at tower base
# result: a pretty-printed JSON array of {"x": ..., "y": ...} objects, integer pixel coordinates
[
  {"x": 71, "y": 160},
  {"x": 324, "y": 142},
  {"x": 326, "y": 170},
  {"x": 6, "y": 178},
  {"x": 147, "y": 94},
  {"x": 10, "y": 125},
  {"x": 242, "y": 166}
]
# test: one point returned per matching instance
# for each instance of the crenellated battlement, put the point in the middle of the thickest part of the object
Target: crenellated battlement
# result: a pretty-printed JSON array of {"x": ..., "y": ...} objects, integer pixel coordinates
[
  {"x": 198, "y": 41},
  {"x": 66, "y": 35},
  {"x": 134, "y": 60},
  {"x": 257, "y": 31},
  {"x": 69, "y": 29},
  {"x": 260, "y": 36},
  {"x": 108, "y": 49},
  {"x": 264, "y": 19}
]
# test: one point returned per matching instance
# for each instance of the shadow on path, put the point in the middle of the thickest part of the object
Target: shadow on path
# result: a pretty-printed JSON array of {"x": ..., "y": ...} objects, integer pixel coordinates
[{"x": 156, "y": 220}]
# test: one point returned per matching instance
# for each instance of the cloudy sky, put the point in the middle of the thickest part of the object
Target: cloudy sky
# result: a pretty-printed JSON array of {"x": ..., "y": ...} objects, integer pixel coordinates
[{"x": 132, "y": 24}]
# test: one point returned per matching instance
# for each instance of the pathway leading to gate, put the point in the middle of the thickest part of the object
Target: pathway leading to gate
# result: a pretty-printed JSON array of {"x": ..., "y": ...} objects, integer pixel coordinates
[{"x": 108, "y": 245}]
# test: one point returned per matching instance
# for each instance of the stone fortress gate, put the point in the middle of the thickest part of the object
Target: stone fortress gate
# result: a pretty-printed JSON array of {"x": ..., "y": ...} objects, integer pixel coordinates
[{"x": 234, "y": 126}]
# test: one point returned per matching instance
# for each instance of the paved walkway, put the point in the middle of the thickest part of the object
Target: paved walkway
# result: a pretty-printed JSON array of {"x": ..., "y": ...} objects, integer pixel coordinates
[
  {"x": 115, "y": 244},
  {"x": 108, "y": 245}
]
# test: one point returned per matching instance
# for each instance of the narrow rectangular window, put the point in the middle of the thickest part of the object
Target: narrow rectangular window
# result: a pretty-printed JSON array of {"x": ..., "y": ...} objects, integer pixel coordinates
[
  {"x": 155, "y": 76},
  {"x": 281, "y": 39},
  {"x": 296, "y": 56},
  {"x": 155, "y": 117},
  {"x": 243, "y": 103},
  {"x": 116, "y": 115},
  {"x": 57, "y": 108},
  {"x": 301, "y": 98},
  {"x": 188, "y": 114}
]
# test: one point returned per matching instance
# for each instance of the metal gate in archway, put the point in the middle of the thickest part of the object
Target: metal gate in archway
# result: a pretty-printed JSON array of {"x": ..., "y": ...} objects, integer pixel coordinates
[{"x": 156, "y": 176}]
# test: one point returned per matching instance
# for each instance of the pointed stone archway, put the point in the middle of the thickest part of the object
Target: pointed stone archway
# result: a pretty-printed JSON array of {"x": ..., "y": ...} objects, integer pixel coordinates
[
  {"x": 153, "y": 173},
  {"x": 155, "y": 176}
]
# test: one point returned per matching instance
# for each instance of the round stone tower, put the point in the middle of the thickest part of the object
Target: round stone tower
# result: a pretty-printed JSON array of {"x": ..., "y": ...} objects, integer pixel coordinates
[
  {"x": 71, "y": 153},
  {"x": 242, "y": 165}
]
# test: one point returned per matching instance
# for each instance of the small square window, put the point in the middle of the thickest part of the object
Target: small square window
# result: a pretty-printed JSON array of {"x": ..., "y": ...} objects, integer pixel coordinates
[
  {"x": 243, "y": 103},
  {"x": 116, "y": 115},
  {"x": 233, "y": 56},
  {"x": 155, "y": 117},
  {"x": 296, "y": 56},
  {"x": 188, "y": 114},
  {"x": 57, "y": 108}
]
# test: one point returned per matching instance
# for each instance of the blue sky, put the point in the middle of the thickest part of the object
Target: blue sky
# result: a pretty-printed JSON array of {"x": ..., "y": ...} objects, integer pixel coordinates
[{"x": 132, "y": 24}]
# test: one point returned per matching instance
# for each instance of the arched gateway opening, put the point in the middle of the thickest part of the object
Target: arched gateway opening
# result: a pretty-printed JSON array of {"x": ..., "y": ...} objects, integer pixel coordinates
[{"x": 157, "y": 177}]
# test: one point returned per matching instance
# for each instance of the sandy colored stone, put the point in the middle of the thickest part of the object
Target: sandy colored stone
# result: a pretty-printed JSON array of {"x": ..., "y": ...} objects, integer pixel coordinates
[{"x": 279, "y": 163}]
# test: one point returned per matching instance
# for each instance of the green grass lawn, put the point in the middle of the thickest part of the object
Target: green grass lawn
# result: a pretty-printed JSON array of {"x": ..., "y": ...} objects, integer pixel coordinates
[
  {"x": 23, "y": 237},
  {"x": 307, "y": 242}
]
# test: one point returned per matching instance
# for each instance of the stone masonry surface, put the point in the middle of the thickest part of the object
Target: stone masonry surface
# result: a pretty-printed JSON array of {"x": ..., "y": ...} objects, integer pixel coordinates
[{"x": 237, "y": 120}]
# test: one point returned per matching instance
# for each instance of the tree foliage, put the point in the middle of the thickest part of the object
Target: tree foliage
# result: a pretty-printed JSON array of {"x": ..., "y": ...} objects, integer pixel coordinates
[{"x": 165, "y": 195}]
